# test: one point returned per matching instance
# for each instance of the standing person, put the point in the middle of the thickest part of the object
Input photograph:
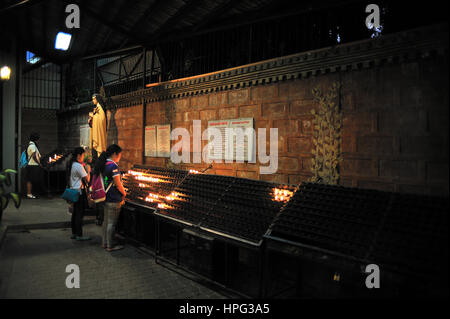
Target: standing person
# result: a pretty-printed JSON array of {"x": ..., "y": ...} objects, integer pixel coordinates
[
  {"x": 33, "y": 171},
  {"x": 98, "y": 124},
  {"x": 99, "y": 206},
  {"x": 115, "y": 197},
  {"x": 78, "y": 178}
]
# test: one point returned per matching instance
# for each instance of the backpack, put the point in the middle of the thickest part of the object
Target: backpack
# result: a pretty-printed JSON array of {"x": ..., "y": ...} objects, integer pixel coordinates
[
  {"x": 98, "y": 192},
  {"x": 23, "y": 162}
]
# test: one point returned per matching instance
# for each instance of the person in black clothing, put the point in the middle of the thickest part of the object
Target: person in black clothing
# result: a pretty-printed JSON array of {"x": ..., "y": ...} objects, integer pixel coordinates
[{"x": 78, "y": 179}]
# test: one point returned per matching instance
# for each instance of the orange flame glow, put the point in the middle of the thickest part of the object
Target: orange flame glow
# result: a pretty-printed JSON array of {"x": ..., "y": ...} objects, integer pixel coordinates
[
  {"x": 282, "y": 194},
  {"x": 54, "y": 159}
]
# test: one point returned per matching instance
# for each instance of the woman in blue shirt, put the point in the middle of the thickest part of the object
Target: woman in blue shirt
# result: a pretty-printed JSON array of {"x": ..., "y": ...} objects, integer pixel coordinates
[{"x": 115, "y": 197}]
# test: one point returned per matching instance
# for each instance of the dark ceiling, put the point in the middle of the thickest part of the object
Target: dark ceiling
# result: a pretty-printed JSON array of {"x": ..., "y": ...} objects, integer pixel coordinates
[
  {"x": 108, "y": 25},
  {"x": 117, "y": 25}
]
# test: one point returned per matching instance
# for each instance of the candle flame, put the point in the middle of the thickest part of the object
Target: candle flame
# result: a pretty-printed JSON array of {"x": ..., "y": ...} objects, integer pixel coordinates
[{"x": 282, "y": 194}]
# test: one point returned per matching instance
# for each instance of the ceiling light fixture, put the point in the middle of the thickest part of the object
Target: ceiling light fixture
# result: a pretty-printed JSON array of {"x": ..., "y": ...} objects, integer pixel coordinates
[{"x": 62, "y": 41}]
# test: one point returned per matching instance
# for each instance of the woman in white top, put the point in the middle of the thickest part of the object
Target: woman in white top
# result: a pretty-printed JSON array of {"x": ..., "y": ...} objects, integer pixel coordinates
[
  {"x": 33, "y": 171},
  {"x": 77, "y": 179}
]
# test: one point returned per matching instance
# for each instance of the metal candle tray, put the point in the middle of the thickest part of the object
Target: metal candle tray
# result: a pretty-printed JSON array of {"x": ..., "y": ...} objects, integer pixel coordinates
[
  {"x": 396, "y": 231},
  {"x": 237, "y": 208},
  {"x": 54, "y": 159},
  {"x": 149, "y": 186}
]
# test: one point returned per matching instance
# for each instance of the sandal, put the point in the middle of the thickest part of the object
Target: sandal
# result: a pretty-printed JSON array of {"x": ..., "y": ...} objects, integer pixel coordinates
[{"x": 118, "y": 247}]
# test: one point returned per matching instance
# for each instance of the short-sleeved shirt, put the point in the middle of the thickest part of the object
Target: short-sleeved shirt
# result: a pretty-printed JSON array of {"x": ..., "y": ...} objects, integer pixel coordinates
[
  {"x": 32, "y": 148},
  {"x": 76, "y": 174},
  {"x": 111, "y": 170}
]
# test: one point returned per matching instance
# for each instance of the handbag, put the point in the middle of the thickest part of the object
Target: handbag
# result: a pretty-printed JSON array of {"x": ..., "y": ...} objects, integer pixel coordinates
[{"x": 71, "y": 195}]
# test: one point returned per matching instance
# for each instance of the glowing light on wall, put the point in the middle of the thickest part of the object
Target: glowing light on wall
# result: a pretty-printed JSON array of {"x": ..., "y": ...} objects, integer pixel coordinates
[{"x": 5, "y": 73}]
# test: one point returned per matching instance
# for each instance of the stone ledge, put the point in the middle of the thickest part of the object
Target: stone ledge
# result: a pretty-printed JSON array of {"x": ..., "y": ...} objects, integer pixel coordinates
[{"x": 390, "y": 49}]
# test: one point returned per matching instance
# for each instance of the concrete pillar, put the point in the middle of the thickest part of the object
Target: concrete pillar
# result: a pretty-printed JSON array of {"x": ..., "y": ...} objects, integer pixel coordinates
[{"x": 10, "y": 108}]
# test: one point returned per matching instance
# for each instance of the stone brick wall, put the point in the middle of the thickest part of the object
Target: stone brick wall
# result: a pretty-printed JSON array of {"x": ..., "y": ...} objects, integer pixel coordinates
[
  {"x": 69, "y": 127},
  {"x": 45, "y": 123},
  {"x": 125, "y": 127},
  {"x": 394, "y": 137},
  {"x": 395, "y": 125},
  {"x": 395, "y": 130}
]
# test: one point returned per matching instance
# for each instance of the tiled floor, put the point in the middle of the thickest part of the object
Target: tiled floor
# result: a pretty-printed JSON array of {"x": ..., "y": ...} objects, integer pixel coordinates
[
  {"x": 33, "y": 262},
  {"x": 33, "y": 265},
  {"x": 35, "y": 211}
]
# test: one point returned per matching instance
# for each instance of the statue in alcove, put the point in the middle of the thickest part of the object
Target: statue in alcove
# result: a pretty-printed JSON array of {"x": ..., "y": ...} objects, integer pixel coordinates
[{"x": 98, "y": 124}]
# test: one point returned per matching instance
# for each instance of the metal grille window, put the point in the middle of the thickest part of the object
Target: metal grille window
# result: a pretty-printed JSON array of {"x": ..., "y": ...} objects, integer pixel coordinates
[
  {"x": 41, "y": 87},
  {"x": 119, "y": 75}
]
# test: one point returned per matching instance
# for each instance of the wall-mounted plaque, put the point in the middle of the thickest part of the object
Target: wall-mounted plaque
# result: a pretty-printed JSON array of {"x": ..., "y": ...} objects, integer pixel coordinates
[
  {"x": 163, "y": 140},
  {"x": 218, "y": 146},
  {"x": 150, "y": 141},
  {"x": 241, "y": 145},
  {"x": 84, "y": 135},
  {"x": 237, "y": 140}
]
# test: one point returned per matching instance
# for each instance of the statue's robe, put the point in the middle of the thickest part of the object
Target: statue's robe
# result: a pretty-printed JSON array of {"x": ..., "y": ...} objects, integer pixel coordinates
[{"x": 97, "y": 138}]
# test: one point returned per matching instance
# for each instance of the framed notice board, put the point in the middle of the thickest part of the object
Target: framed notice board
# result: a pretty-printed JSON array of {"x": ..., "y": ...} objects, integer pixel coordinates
[
  {"x": 150, "y": 141},
  {"x": 163, "y": 140},
  {"x": 237, "y": 140},
  {"x": 84, "y": 135},
  {"x": 157, "y": 140}
]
